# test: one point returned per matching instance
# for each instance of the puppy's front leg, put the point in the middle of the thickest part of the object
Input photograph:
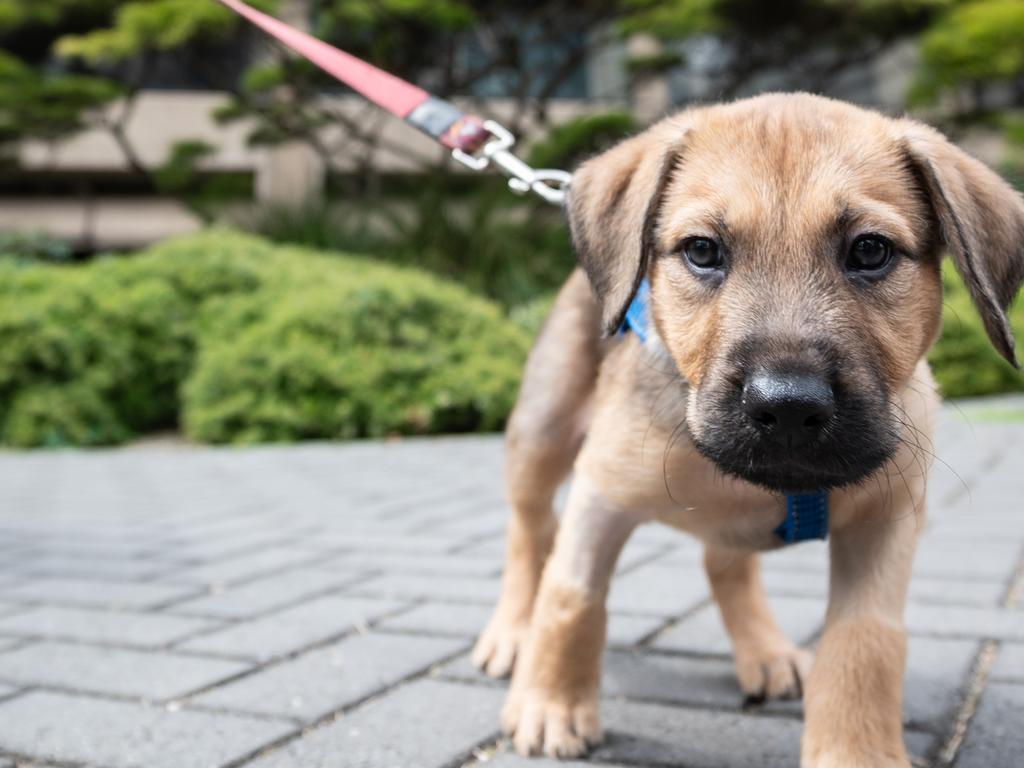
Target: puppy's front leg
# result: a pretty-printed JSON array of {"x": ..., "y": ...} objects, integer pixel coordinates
[
  {"x": 768, "y": 664},
  {"x": 552, "y": 702},
  {"x": 854, "y": 697}
]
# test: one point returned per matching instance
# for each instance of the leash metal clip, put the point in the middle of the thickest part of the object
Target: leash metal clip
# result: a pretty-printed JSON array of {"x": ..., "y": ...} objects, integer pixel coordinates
[{"x": 549, "y": 183}]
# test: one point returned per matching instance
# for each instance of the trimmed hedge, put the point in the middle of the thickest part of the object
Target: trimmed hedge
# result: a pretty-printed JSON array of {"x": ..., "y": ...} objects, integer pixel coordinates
[
  {"x": 238, "y": 340},
  {"x": 241, "y": 341}
]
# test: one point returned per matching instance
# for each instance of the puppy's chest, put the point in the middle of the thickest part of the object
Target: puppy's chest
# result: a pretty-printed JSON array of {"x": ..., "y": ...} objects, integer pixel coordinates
[
  {"x": 685, "y": 490},
  {"x": 719, "y": 511}
]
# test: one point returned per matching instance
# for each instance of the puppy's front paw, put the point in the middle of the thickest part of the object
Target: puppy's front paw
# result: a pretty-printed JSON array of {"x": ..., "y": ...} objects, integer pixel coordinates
[
  {"x": 498, "y": 645},
  {"x": 773, "y": 673},
  {"x": 555, "y": 723}
]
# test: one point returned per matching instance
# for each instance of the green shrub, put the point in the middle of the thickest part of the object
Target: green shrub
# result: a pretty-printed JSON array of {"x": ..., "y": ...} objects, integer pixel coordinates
[
  {"x": 34, "y": 246},
  {"x": 264, "y": 342},
  {"x": 336, "y": 352},
  {"x": 964, "y": 360}
]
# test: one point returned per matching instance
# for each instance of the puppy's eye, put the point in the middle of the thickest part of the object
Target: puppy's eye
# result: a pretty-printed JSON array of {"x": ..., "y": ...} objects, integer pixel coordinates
[
  {"x": 869, "y": 253},
  {"x": 702, "y": 253}
]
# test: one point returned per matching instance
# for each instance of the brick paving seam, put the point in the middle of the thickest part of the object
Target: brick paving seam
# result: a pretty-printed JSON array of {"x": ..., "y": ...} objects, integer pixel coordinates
[
  {"x": 337, "y": 589},
  {"x": 340, "y": 712},
  {"x": 271, "y": 662},
  {"x": 669, "y": 624},
  {"x": 19, "y": 760},
  {"x": 948, "y": 751},
  {"x": 1014, "y": 596}
]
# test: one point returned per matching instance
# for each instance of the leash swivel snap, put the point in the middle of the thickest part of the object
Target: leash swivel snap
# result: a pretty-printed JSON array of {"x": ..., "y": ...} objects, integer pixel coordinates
[
  {"x": 439, "y": 119},
  {"x": 548, "y": 183}
]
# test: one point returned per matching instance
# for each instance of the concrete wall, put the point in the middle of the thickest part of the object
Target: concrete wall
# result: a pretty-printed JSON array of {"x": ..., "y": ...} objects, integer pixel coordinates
[{"x": 282, "y": 175}]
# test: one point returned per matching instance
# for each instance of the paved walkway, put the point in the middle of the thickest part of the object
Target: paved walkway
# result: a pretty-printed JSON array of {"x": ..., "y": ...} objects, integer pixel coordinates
[{"x": 168, "y": 607}]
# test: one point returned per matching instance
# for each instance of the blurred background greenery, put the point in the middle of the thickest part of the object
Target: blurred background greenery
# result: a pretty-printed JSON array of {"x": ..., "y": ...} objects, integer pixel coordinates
[{"x": 327, "y": 273}]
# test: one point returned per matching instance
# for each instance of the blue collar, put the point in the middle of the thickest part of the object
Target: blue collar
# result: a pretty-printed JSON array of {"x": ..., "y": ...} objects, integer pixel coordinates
[
  {"x": 806, "y": 518},
  {"x": 806, "y": 513}
]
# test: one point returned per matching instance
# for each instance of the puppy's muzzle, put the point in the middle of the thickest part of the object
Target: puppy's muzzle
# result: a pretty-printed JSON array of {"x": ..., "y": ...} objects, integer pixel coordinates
[{"x": 788, "y": 409}]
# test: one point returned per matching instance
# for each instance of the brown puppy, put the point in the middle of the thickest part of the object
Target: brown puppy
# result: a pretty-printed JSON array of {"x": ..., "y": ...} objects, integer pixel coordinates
[{"x": 792, "y": 245}]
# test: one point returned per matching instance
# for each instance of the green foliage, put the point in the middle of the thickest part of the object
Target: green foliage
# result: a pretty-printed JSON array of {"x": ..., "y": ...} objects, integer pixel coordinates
[
  {"x": 180, "y": 172},
  {"x": 754, "y": 19},
  {"x": 975, "y": 42},
  {"x": 242, "y": 341},
  {"x": 45, "y": 106},
  {"x": 674, "y": 18},
  {"x": 964, "y": 361},
  {"x": 568, "y": 144},
  {"x": 654, "y": 64},
  {"x": 55, "y": 415},
  {"x": 367, "y": 14},
  {"x": 506, "y": 248},
  {"x": 182, "y": 175},
  {"x": 158, "y": 25},
  {"x": 115, "y": 341},
  {"x": 328, "y": 356},
  {"x": 382, "y": 29},
  {"x": 36, "y": 14},
  {"x": 34, "y": 246}
]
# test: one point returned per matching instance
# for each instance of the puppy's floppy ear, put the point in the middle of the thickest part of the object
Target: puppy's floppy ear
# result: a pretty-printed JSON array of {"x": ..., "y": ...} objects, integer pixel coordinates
[
  {"x": 981, "y": 222},
  {"x": 612, "y": 207}
]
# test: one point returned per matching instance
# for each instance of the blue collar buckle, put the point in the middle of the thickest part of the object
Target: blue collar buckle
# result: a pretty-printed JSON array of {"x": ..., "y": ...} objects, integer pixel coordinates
[{"x": 806, "y": 518}]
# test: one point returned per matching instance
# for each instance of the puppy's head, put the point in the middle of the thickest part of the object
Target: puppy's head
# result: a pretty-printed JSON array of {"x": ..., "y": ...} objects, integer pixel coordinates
[{"x": 792, "y": 244}]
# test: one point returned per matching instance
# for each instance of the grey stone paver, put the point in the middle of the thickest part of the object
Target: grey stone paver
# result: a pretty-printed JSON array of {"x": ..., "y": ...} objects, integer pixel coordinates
[
  {"x": 117, "y": 671},
  {"x": 76, "y": 591},
  {"x": 117, "y": 627},
  {"x": 416, "y": 563},
  {"x": 330, "y": 678},
  {"x": 56, "y": 565},
  {"x": 56, "y": 726},
  {"x": 953, "y": 591},
  {"x": 264, "y": 594},
  {"x": 454, "y": 588},
  {"x": 248, "y": 566},
  {"x": 995, "y": 738},
  {"x": 704, "y": 633},
  {"x": 314, "y": 605},
  {"x": 653, "y": 734},
  {"x": 659, "y": 590},
  {"x": 658, "y": 735},
  {"x": 1009, "y": 665},
  {"x": 293, "y": 628},
  {"x": 425, "y": 724},
  {"x": 961, "y": 621},
  {"x": 923, "y": 588},
  {"x": 936, "y": 671},
  {"x": 965, "y": 560}
]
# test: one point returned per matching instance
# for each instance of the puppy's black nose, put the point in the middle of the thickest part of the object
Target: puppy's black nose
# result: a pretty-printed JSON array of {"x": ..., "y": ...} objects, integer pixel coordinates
[{"x": 790, "y": 409}]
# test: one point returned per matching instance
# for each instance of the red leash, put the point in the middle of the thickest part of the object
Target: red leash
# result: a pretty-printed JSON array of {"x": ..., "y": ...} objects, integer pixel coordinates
[{"x": 474, "y": 142}]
